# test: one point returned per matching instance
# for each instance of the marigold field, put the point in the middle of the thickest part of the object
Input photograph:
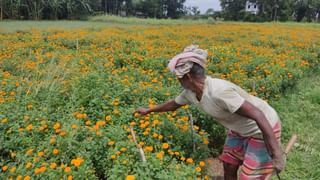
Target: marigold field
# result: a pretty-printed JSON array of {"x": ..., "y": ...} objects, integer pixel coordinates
[{"x": 67, "y": 97}]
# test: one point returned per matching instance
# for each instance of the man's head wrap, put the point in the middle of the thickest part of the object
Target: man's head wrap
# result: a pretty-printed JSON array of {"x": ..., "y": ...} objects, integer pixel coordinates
[{"x": 183, "y": 62}]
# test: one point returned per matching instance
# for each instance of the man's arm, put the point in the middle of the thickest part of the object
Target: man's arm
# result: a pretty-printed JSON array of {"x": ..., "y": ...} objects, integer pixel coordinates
[
  {"x": 252, "y": 112},
  {"x": 170, "y": 105}
]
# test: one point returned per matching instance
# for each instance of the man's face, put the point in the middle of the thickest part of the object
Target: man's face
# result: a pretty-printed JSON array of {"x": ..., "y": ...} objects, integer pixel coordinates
[{"x": 187, "y": 82}]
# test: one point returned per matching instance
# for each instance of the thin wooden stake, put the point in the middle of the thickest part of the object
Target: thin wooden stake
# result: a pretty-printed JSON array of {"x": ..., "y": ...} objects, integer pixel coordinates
[{"x": 143, "y": 158}]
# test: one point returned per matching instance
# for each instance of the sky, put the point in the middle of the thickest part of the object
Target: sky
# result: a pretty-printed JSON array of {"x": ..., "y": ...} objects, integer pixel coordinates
[{"x": 204, "y": 4}]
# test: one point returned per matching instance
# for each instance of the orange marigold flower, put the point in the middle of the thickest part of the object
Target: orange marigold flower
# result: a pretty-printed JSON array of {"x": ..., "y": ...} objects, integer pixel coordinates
[
  {"x": 160, "y": 155},
  {"x": 165, "y": 145},
  {"x": 110, "y": 143},
  {"x": 77, "y": 162},
  {"x": 55, "y": 151},
  {"x": 130, "y": 177},
  {"x": 67, "y": 169},
  {"x": 29, "y": 127},
  {"x": 198, "y": 169},
  {"x": 148, "y": 148},
  {"x": 57, "y": 126},
  {"x": 108, "y": 118},
  {"x": 53, "y": 165},
  {"x": 40, "y": 154},
  {"x": 202, "y": 163},
  {"x": 189, "y": 160},
  {"x": 4, "y": 168}
]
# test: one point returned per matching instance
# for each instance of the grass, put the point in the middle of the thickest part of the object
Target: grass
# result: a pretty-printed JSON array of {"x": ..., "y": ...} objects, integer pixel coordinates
[
  {"x": 145, "y": 21},
  {"x": 299, "y": 111},
  {"x": 104, "y": 21}
]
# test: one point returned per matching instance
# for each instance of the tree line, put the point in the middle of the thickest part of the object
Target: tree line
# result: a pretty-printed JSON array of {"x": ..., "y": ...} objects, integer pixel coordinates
[
  {"x": 75, "y": 9},
  {"x": 268, "y": 10},
  {"x": 272, "y": 10}
]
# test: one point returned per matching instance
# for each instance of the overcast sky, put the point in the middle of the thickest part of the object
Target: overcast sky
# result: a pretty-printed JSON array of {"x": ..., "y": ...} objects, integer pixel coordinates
[{"x": 204, "y": 4}]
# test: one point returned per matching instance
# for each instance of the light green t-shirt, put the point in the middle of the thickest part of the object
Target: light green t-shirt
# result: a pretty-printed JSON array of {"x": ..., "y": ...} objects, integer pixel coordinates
[{"x": 221, "y": 99}]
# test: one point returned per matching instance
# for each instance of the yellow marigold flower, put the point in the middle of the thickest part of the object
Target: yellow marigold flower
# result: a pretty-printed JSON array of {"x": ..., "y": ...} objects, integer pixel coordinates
[
  {"x": 70, "y": 177},
  {"x": 177, "y": 153},
  {"x": 160, "y": 155},
  {"x": 100, "y": 123},
  {"x": 40, "y": 154},
  {"x": 108, "y": 118},
  {"x": 155, "y": 135},
  {"x": 133, "y": 123},
  {"x": 26, "y": 118},
  {"x": 53, "y": 165},
  {"x": 28, "y": 165},
  {"x": 182, "y": 158},
  {"x": 165, "y": 145},
  {"x": 19, "y": 177},
  {"x": 13, "y": 169},
  {"x": 88, "y": 122},
  {"x": 198, "y": 169},
  {"x": 123, "y": 149},
  {"x": 67, "y": 169},
  {"x": 113, "y": 156},
  {"x": 74, "y": 126},
  {"x": 4, "y": 120},
  {"x": 77, "y": 162},
  {"x": 160, "y": 137},
  {"x": 202, "y": 163},
  {"x": 55, "y": 151},
  {"x": 148, "y": 148},
  {"x": 116, "y": 111},
  {"x": 43, "y": 169},
  {"x": 37, "y": 171},
  {"x": 52, "y": 140},
  {"x": 118, "y": 153},
  {"x": 110, "y": 143},
  {"x": 26, "y": 178},
  {"x": 155, "y": 122},
  {"x": 189, "y": 160},
  {"x": 130, "y": 177},
  {"x": 62, "y": 166}
]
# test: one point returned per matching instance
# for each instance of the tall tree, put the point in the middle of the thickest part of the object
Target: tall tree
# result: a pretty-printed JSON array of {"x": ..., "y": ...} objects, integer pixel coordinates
[{"x": 233, "y": 9}]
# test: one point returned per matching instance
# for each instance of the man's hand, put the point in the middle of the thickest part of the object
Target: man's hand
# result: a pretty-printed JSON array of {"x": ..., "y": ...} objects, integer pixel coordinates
[
  {"x": 142, "y": 111},
  {"x": 278, "y": 162}
]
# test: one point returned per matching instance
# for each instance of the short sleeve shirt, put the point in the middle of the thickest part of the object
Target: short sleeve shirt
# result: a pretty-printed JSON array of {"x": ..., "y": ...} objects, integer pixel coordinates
[{"x": 221, "y": 99}]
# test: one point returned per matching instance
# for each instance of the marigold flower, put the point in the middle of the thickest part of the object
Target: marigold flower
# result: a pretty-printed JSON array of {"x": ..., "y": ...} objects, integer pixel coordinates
[
  {"x": 55, "y": 151},
  {"x": 110, "y": 143},
  {"x": 189, "y": 160},
  {"x": 53, "y": 165},
  {"x": 198, "y": 169},
  {"x": 4, "y": 168},
  {"x": 202, "y": 163},
  {"x": 165, "y": 145},
  {"x": 130, "y": 177},
  {"x": 28, "y": 165},
  {"x": 108, "y": 118},
  {"x": 67, "y": 169},
  {"x": 77, "y": 162}
]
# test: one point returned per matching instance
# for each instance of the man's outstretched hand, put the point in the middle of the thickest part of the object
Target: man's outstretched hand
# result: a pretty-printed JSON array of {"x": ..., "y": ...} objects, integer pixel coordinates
[{"x": 142, "y": 111}]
